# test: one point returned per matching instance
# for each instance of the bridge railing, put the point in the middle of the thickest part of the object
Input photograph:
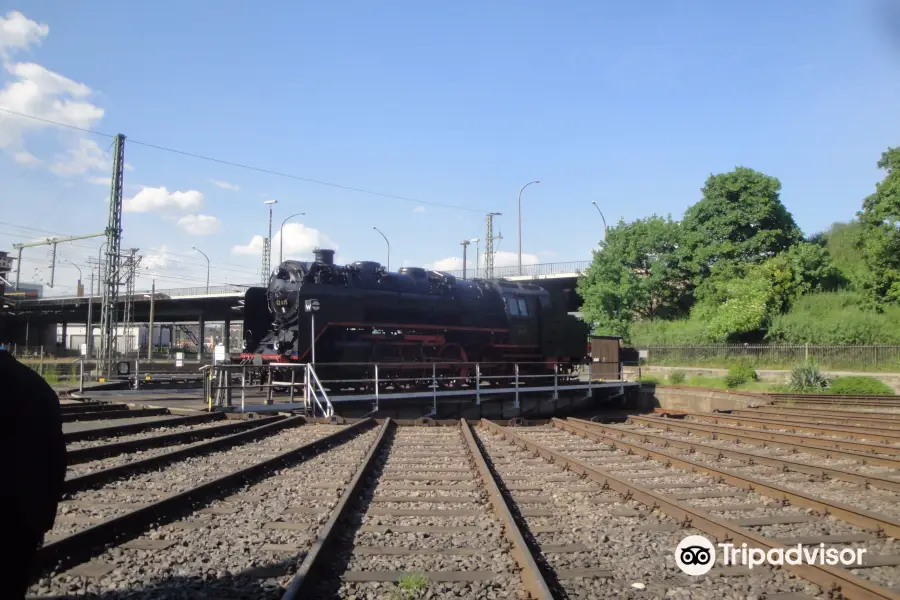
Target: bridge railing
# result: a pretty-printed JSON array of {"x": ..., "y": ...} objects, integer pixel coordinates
[
  {"x": 537, "y": 270},
  {"x": 557, "y": 268}
]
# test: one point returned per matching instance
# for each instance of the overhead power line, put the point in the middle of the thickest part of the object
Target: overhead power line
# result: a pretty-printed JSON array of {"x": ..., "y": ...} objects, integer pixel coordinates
[{"x": 251, "y": 167}]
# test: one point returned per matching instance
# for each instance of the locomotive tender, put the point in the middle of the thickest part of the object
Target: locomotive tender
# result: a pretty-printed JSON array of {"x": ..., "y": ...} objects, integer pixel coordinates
[{"x": 406, "y": 322}]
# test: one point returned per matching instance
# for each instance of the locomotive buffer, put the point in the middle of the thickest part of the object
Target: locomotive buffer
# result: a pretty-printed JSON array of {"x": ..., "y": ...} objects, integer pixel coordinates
[{"x": 312, "y": 306}]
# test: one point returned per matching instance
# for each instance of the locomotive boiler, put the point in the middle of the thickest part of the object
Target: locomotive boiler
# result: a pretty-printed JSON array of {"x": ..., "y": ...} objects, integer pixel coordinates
[{"x": 408, "y": 320}]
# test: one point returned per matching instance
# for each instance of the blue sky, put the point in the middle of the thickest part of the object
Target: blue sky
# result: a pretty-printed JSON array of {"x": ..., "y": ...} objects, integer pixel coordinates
[{"x": 631, "y": 104}]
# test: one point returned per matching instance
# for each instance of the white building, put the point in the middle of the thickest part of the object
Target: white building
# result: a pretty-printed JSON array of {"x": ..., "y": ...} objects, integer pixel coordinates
[{"x": 135, "y": 338}]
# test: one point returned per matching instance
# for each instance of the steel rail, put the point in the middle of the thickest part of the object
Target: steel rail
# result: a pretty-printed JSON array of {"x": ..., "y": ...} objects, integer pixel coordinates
[
  {"x": 531, "y": 573},
  {"x": 114, "y": 430},
  {"x": 764, "y": 439},
  {"x": 314, "y": 564},
  {"x": 831, "y": 415},
  {"x": 104, "y": 415},
  {"x": 69, "y": 409},
  {"x": 91, "y": 480},
  {"x": 827, "y": 577},
  {"x": 82, "y": 455},
  {"x": 862, "y": 518},
  {"x": 751, "y": 458},
  {"x": 843, "y": 401},
  {"x": 809, "y": 428},
  {"x": 81, "y": 546},
  {"x": 854, "y": 424}
]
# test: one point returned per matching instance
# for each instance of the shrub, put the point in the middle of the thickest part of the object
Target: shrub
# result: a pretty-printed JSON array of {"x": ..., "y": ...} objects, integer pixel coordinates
[
  {"x": 676, "y": 377},
  {"x": 806, "y": 378},
  {"x": 740, "y": 374},
  {"x": 651, "y": 379},
  {"x": 859, "y": 385}
]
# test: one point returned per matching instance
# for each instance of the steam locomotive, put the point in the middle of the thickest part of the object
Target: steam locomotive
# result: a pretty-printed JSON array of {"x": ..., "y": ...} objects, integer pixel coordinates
[{"x": 412, "y": 323}]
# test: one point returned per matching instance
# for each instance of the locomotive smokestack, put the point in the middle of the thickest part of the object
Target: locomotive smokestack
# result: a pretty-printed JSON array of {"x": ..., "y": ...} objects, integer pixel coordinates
[{"x": 323, "y": 256}]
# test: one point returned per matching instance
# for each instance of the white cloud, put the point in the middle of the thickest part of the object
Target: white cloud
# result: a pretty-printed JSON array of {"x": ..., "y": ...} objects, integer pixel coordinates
[
  {"x": 501, "y": 259},
  {"x": 225, "y": 185},
  {"x": 100, "y": 180},
  {"x": 156, "y": 260},
  {"x": 419, "y": 209},
  {"x": 19, "y": 33},
  {"x": 199, "y": 224},
  {"x": 299, "y": 242},
  {"x": 26, "y": 158},
  {"x": 160, "y": 199},
  {"x": 81, "y": 158},
  {"x": 34, "y": 90}
]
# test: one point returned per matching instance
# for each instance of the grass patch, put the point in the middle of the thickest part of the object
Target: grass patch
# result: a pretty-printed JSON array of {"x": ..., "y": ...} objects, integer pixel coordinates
[
  {"x": 410, "y": 586},
  {"x": 720, "y": 383}
]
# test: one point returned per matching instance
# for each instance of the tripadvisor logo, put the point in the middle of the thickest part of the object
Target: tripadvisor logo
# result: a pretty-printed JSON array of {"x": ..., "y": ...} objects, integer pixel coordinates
[{"x": 696, "y": 555}]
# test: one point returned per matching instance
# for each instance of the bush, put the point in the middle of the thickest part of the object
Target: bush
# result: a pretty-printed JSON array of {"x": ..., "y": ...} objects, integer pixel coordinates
[
  {"x": 651, "y": 379},
  {"x": 740, "y": 374},
  {"x": 859, "y": 385},
  {"x": 676, "y": 377},
  {"x": 806, "y": 378}
]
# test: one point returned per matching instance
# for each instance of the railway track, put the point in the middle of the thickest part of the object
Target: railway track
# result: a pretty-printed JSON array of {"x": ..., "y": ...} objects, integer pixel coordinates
[
  {"x": 778, "y": 513},
  {"x": 245, "y": 544},
  {"x": 425, "y": 513},
  {"x": 276, "y": 507}
]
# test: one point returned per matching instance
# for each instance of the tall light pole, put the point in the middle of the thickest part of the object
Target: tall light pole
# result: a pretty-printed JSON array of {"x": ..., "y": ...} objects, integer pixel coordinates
[
  {"x": 79, "y": 290},
  {"x": 388, "y": 245},
  {"x": 475, "y": 241},
  {"x": 465, "y": 245},
  {"x": 520, "y": 222},
  {"x": 267, "y": 247},
  {"x": 281, "y": 236},
  {"x": 207, "y": 266},
  {"x": 602, "y": 217}
]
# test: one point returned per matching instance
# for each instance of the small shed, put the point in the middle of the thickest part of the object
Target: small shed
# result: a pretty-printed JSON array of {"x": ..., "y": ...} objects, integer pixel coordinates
[{"x": 606, "y": 357}]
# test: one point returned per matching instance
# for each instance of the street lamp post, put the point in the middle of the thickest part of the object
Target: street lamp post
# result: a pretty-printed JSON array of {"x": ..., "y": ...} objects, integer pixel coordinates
[
  {"x": 79, "y": 291},
  {"x": 388, "y": 245},
  {"x": 475, "y": 241},
  {"x": 207, "y": 266},
  {"x": 602, "y": 217},
  {"x": 281, "y": 236},
  {"x": 520, "y": 222},
  {"x": 465, "y": 245}
]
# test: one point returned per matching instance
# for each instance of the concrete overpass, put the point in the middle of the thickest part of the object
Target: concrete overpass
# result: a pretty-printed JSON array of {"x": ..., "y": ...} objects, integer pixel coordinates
[{"x": 28, "y": 319}]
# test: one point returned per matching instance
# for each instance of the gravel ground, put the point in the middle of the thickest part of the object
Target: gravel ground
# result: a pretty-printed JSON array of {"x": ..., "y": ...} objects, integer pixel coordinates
[
  {"x": 146, "y": 434},
  {"x": 246, "y": 545},
  {"x": 763, "y": 507},
  {"x": 481, "y": 547},
  {"x": 89, "y": 507},
  {"x": 873, "y": 422},
  {"x": 73, "y": 426}
]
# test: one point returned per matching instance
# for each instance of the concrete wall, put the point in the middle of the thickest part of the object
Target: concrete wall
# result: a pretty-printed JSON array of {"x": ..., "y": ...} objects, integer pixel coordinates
[
  {"x": 695, "y": 399},
  {"x": 773, "y": 375}
]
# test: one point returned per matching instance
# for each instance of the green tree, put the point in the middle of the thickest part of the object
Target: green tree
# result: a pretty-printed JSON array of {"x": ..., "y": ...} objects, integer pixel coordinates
[
  {"x": 880, "y": 218},
  {"x": 635, "y": 275},
  {"x": 844, "y": 242},
  {"x": 804, "y": 268},
  {"x": 739, "y": 220}
]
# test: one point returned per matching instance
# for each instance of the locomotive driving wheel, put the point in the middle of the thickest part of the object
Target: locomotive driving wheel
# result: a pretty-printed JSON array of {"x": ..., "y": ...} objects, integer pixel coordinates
[{"x": 447, "y": 356}]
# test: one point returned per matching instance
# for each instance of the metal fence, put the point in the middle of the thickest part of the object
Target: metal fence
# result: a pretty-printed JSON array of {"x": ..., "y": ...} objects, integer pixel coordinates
[{"x": 775, "y": 356}]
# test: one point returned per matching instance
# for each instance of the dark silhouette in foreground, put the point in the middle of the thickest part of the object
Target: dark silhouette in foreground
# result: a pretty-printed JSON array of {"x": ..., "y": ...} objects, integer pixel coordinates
[{"x": 33, "y": 466}]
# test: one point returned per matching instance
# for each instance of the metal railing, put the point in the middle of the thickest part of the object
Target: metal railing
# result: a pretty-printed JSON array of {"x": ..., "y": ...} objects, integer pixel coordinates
[
  {"x": 377, "y": 382},
  {"x": 543, "y": 269}
]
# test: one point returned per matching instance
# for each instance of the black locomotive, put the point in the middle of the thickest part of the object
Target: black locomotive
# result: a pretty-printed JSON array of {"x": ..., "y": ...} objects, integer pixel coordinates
[{"x": 412, "y": 323}]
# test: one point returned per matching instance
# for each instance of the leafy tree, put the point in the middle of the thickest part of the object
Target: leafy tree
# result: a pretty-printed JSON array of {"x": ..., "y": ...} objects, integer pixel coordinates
[
  {"x": 635, "y": 275},
  {"x": 739, "y": 220},
  {"x": 844, "y": 242},
  {"x": 802, "y": 269},
  {"x": 880, "y": 218},
  {"x": 733, "y": 306}
]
